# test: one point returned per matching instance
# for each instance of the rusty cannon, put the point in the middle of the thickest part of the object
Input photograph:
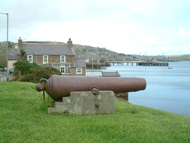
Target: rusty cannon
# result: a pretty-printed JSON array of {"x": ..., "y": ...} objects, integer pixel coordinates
[{"x": 61, "y": 86}]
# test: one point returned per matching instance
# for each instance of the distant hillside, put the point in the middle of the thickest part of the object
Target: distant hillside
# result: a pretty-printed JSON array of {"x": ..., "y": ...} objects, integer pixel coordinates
[
  {"x": 78, "y": 46},
  {"x": 179, "y": 56},
  {"x": 91, "y": 48},
  {"x": 44, "y": 42},
  {"x": 185, "y": 57}
]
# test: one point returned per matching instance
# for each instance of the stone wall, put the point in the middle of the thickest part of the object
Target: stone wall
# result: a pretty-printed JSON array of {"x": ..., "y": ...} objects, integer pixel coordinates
[
  {"x": 38, "y": 59},
  {"x": 73, "y": 71},
  {"x": 69, "y": 59},
  {"x": 51, "y": 59}
]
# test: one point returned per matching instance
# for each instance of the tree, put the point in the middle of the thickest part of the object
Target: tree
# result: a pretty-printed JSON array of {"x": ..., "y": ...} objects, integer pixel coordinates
[{"x": 22, "y": 52}]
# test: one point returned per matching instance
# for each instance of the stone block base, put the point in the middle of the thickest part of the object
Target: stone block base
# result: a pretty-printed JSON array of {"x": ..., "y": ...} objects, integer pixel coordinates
[{"x": 82, "y": 103}]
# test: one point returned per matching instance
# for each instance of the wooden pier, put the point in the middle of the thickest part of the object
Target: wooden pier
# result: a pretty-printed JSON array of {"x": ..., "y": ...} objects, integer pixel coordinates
[
  {"x": 139, "y": 63},
  {"x": 151, "y": 64}
]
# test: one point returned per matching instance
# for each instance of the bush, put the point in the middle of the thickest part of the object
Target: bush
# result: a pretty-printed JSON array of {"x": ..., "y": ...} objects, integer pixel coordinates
[
  {"x": 33, "y": 72},
  {"x": 24, "y": 67},
  {"x": 36, "y": 74}
]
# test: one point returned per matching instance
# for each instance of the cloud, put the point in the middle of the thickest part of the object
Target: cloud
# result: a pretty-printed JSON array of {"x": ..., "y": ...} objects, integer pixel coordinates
[
  {"x": 181, "y": 32},
  {"x": 124, "y": 26}
]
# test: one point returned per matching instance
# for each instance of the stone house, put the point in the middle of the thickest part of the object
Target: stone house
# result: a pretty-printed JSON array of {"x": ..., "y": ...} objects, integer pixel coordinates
[
  {"x": 84, "y": 55},
  {"x": 12, "y": 58},
  {"x": 59, "y": 56},
  {"x": 120, "y": 58},
  {"x": 95, "y": 59}
]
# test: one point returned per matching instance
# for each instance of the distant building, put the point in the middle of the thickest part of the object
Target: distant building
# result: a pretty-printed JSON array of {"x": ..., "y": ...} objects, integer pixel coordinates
[
  {"x": 12, "y": 58},
  {"x": 95, "y": 59},
  {"x": 59, "y": 56}
]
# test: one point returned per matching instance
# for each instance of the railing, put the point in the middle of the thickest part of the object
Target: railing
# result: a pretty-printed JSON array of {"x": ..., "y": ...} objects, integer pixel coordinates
[{"x": 3, "y": 76}]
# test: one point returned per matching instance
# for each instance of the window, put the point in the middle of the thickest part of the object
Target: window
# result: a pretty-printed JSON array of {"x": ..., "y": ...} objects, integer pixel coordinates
[
  {"x": 45, "y": 59},
  {"x": 62, "y": 59},
  {"x": 78, "y": 70},
  {"x": 65, "y": 70},
  {"x": 62, "y": 70},
  {"x": 30, "y": 58}
]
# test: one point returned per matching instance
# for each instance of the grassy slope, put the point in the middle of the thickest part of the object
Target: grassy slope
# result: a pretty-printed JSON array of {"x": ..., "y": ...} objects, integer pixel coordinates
[{"x": 23, "y": 118}]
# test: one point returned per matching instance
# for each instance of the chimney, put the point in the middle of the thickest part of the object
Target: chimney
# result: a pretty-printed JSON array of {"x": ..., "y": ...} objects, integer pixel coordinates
[
  {"x": 19, "y": 42},
  {"x": 70, "y": 44},
  {"x": 19, "y": 45}
]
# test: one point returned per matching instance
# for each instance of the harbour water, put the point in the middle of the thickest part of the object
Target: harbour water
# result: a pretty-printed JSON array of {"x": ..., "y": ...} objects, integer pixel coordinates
[{"x": 167, "y": 89}]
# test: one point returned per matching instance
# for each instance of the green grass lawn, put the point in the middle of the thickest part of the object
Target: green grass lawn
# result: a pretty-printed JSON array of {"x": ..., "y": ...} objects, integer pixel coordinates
[{"x": 23, "y": 118}]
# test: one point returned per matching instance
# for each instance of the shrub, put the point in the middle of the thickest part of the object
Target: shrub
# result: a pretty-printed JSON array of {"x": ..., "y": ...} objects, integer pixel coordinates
[
  {"x": 33, "y": 72},
  {"x": 24, "y": 67},
  {"x": 36, "y": 74}
]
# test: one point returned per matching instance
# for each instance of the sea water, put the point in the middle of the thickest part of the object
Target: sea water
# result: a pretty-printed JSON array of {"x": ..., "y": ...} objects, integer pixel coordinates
[{"x": 167, "y": 89}]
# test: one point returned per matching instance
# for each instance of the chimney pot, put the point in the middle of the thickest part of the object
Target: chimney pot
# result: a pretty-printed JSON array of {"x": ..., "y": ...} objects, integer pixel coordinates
[
  {"x": 19, "y": 45},
  {"x": 70, "y": 44}
]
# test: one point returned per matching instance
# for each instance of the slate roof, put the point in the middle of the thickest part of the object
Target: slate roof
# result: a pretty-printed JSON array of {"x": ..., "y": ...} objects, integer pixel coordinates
[
  {"x": 83, "y": 55},
  {"x": 110, "y": 74},
  {"x": 81, "y": 62},
  {"x": 12, "y": 54},
  {"x": 43, "y": 49}
]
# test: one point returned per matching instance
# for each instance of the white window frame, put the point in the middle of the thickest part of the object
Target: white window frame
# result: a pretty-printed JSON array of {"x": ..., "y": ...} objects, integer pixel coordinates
[
  {"x": 29, "y": 59},
  {"x": 43, "y": 59},
  {"x": 64, "y": 69},
  {"x": 61, "y": 58},
  {"x": 77, "y": 70}
]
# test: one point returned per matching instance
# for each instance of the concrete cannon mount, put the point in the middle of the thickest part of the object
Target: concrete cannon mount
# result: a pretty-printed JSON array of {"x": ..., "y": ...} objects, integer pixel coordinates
[{"x": 83, "y": 103}]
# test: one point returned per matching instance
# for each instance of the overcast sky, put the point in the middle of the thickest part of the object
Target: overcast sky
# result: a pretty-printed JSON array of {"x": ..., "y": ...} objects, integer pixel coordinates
[{"x": 154, "y": 27}]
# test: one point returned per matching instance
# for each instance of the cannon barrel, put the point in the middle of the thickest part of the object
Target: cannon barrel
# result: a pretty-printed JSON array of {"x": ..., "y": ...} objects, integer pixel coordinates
[{"x": 61, "y": 86}]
